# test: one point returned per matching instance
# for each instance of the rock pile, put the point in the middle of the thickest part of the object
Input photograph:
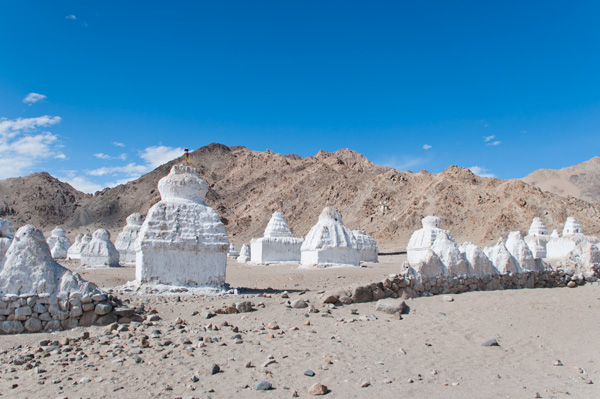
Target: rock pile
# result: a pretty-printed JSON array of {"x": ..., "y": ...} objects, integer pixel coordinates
[
  {"x": 329, "y": 242},
  {"x": 59, "y": 243},
  {"x": 277, "y": 245},
  {"x": 125, "y": 243},
  {"x": 100, "y": 251},
  {"x": 182, "y": 241}
]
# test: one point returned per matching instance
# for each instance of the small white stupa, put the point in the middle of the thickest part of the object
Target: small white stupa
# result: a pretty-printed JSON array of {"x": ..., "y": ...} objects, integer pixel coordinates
[
  {"x": 233, "y": 251},
  {"x": 81, "y": 241},
  {"x": 422, "y": 240},
  {"x": 502, "y": 259},
  {"x": 6, "y": 236},
  {"x": 125, "y": 243},
  {"x": 563, "y": 247},
  {"x": 244, "y": 254},
  {"x": 480, "y": 264},
  {"x": 329, "y": 242},
  {"x": 182, "y": 241},
  {"x": 100, "y": 252},
  {"x": 29, "y": 268},
  {"x": 59, "y": 243},
  {"x": 277, "y": 245},
  {"x": 537, "y": 238},
  {"x": 516, "y": 245},
  {"x": 367, "y": 246}
]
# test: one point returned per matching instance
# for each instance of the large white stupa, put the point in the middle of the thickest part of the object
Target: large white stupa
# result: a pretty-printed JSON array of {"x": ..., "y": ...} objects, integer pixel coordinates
[
  {"x": 6, "y": 236},
  {"x": 277, "y": 245},
  {"x": 28, "y": 268},
  {"x": 59, "y": 243},
  {"x": 367, "y": 246},
  {"x": 182, "y": 241},
  {"x": 100, "y": 252},
  {"x": 329, "y": 242},
  {"x": 125, "y": 243},
  {"x": 572, "y": 237},
  {"x": 537, "y": 238}
]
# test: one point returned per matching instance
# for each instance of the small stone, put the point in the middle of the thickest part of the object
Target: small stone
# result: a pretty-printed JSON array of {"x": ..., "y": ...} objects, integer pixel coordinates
[
  {"x": 390, "y": 305},
  {"x": 557, "y": 363},
  {"x": 207, "y": 314},
  {"x": 244, "y": 306},
  {"x": 309, "y": 373},
  {"x": 318, "y": 389},
  {"x": 273, "y": 326},
  {"x": 491, "y": 342},
  {"x": 537, "y": 395},
  {"x": 572, "y": 284},
  {"x": 103, "y": 308},
  {"x": 330, "y": 299},
  {"x": 263, "y": 386},
  {"x": 365, "y": 384},
  {"x": 448, "y": 298},
  {"x": 299, "y": 303},
  {"x": 85, "y": 380},
  {"x": 214, "y": 369}
]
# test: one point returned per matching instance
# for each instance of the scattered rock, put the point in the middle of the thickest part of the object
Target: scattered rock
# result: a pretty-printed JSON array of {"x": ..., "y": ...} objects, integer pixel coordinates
[
  {"x": 390, "y": 305},
  {"x": 318, "y": 389},
  {"x": 263, "y": 386},
  {"x": 448, "y": 298},
  {"x": 309, "y": 373},
  {"x": 491, "y": 342},
  {"x": 299, "y": 303}
]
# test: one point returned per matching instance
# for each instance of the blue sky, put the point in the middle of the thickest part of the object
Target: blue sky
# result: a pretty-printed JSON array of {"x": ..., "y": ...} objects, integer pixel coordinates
[{"x": 99, "y": 92}]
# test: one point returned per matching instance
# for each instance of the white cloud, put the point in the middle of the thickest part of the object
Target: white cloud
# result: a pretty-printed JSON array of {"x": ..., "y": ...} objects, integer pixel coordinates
[
  {"x": 100, "y": 155},
  {"x": 158, "y": 155},
  {"x": 404, "y": 163},
  {"x": 117, "y": 144},
  {"x": 497, "y": 142},
  {"x": 71, "y": 16},
  {"x": 426, "y": 147},
  {"x": 33, "y": 98},
  {"x": 479, "y": 171},
  {"x": 81, "y": 183},
  {"x": 22, "y": 146},
  {"x": 489, "y": 138}
]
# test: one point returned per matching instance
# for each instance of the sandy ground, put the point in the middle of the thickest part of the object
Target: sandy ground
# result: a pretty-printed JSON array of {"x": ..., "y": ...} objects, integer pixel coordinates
[{"x": 434, "y": 352}]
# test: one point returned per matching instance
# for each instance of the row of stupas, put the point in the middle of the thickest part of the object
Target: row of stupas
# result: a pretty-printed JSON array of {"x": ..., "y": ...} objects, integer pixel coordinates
[{"x": 432, "y": 251}]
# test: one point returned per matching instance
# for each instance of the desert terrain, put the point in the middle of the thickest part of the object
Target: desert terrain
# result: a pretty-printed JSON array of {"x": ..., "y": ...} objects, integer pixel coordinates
[{"x": 548, "y": 343}]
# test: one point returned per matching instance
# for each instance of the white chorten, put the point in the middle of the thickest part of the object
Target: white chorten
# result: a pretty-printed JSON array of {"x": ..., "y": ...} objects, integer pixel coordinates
[
  {"x": 81, "y": 241},
  {"x": 100, "y": 252},
  {"x": 422, "y": 240},
  {"x": 125, "y": 243},
  {"x": 516, "y": 245},
  {"x": 59, "y": 243},
  {"x": 244, "y": 254},
  {"x": 233, "y": 251},
  {"x": 502, "y": 259},
  {"x": 182, "y": 241},
  {"x": 537, "y": 238},
  {"x": 329, "y": 242},
  {"x": 564, "y": 247},
  {"x": 367, "y": 246},
  {"x": 479, "y": 263},
  {"x": 29, "y": 268},
  {"x": 6, "y": 236},
  {"x": 277, "y": 245}
]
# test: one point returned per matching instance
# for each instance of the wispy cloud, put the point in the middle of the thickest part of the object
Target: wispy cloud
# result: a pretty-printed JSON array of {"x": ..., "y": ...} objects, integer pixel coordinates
[
  {"x": 497, "y": 142},
  {"x": 82, "y": 183},
  {"x": 480, "y": 171},
  {"x": 33, "y": 98},
  {"x": 426, "y": 147},
  {"x": 71, "y": 16},
  {"x": 153, "y": 156},
  {"x": 23, "y": 145},
  {"x": 404, "y": 162},
  {"x": 489, "y": 138},
  {"x": 107, "y": 157},
  {"x": 117, "y": 144}
]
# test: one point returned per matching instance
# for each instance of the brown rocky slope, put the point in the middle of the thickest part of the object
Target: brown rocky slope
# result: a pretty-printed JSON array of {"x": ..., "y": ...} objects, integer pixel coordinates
[
  {"x": 247, "y": 186},
  {"x": 580, "y": 181}
]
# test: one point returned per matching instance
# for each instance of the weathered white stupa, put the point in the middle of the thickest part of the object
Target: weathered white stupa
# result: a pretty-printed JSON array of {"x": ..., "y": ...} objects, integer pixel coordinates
[
  {"x": 125, "y": 243},
  {"x": 81, "y": 241},
  {"x": 100, "y": 252},
  {"x": 233, "y": 251},
  {"x": 277, "y": 245},
  {"x": 432, "y": 251},
  {"x": 480, "y": 264},
  {"x": 502, "y": 259},
  {"x": 537, "y": 238},
  {"x": 6, "y": 236},
  {"x": 28, "y": 267},
  {"x": 244, "y": 254},
  {"x": 516, "y": 245},
  {"x": 59, "y": 243},
  {"x": 367, "y": 246},
  {"x": 563, "y": 247},
  {"x": 329, "y": 242},
  {"x": 182, "y": 241}
]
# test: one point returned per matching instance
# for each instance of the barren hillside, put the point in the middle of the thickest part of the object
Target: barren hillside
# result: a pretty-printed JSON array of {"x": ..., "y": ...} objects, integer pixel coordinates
[
  {"x": 580, "y": 181},
  {"x": 247, "y": 186}
]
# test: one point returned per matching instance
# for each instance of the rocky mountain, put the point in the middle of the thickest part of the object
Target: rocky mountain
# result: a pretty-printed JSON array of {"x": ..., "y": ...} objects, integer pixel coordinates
[
  {"x": 246, "y": 187},
  {"x": 580, "y": 181}
]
